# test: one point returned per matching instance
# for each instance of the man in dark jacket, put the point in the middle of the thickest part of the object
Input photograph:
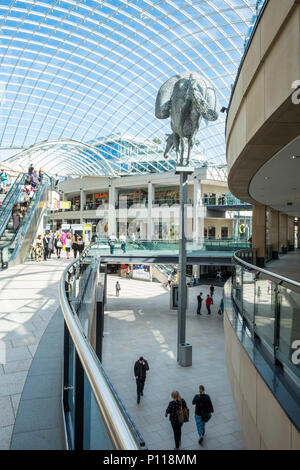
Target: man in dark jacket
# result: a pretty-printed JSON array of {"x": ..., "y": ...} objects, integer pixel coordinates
[
  {"x": 199, "y": 299},
  {"x": 140, "y": 368},
  {"x": 203, "y": 411}
]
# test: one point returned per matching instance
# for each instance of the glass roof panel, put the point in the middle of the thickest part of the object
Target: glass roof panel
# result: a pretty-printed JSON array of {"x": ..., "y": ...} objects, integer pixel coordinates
[{"x": 79, "y": 78}]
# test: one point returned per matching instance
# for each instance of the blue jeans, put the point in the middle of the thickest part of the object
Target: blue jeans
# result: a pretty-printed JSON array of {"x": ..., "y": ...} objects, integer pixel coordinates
[{"x": 200, "y": 425}]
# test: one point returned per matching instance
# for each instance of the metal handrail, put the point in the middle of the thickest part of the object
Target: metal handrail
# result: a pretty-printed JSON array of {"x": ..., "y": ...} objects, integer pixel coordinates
[
  {"x": 253, "y": 267},
  {"x": 118, "y": 428}
]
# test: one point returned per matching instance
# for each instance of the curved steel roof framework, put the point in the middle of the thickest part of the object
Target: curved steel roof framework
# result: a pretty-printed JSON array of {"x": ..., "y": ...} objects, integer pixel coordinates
[{"x": 75, "y": 71}]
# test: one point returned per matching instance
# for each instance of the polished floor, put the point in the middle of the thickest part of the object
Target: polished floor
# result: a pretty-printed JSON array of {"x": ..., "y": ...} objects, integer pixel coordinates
[
  {"x": 28, "y": 301},
  {"x": 287, "y": 265},
  {"x": 140, "y": 322}
]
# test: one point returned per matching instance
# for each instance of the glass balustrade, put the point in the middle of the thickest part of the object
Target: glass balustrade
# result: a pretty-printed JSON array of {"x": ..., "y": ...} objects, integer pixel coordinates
[{"x": 270, "y": 306}]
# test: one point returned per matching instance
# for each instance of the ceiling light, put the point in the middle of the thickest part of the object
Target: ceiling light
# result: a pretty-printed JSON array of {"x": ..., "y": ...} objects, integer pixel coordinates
[
  {"x": 267, "y": 178},
  {"x": 293, "y": 157}
]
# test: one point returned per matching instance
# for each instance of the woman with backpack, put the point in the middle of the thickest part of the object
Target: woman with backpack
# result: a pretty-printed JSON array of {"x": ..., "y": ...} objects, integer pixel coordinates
[
  {"x": 178, "y": 411},
  {"x": 203, "y": 411}
]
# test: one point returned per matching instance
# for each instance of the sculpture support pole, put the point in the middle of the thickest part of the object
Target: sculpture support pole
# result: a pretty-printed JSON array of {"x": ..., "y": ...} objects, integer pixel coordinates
[{"x": 182, "y": 288}]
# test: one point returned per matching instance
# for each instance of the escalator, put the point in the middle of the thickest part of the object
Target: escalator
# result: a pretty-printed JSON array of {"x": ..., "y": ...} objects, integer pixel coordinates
[{"x": 15, "y": 243}]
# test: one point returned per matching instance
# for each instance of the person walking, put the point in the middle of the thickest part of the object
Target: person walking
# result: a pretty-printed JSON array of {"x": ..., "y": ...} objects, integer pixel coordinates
[
  {"x": 127, "y": 272},
  {"x": 212, "y": 288},
  {"x": 194, "y": 279},
  {"x": 50, "y": 245},
  {"x": 118, "y": 288},
  {"x": 38, "y": 248},
  {"x": 3, "y": 181},
  {"x": 140, "y": 369},
  {"x": 175, "y": 406},
  {"x": 111, "y": 242},
  {"x": 45, "y": 246},
  {"x": 221, "y": 307},
  {"x": 169, "y": 280},
  {"x": 199, "y": 300},
  {"x": 68, "y": 245},
  {"x": 75, "y": 245},
  {"x": 58, "y": 245},
  {"x": 80, "y": 244},
  {"x": 203, "y": 410},
  {"x": 123, "y": 242},
  {"x": 208, "y": 303},
  {"x": 30, "y": 169}
]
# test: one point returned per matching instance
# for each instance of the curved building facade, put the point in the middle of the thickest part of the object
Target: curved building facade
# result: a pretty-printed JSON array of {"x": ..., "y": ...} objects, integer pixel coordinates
[{"x": 263, "y": 147}]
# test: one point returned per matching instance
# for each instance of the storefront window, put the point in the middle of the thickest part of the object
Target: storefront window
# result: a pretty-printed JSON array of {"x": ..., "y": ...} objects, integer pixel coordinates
[
  {"x": 168, "y": 195},
  {"x": 132, "y": 197}
]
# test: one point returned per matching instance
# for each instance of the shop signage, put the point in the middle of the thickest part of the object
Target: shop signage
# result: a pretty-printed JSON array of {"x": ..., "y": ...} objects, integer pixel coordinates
[{"x": 63, "y": 204}]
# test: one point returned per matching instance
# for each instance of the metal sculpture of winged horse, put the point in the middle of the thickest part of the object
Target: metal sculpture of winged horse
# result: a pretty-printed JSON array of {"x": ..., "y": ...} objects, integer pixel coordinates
[{"x": 186, "y": 98}]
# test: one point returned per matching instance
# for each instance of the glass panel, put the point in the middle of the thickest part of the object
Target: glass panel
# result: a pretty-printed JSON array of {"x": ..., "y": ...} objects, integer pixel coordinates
[
  {"x": 248, "y": 295},
  {"x": 265, "y": 311},
  {"x": 289, "y": 334},
  {"x": 95, "y": 434},
  {"x": 237, "y": 287},
  {"x": 71, "y": 384}
]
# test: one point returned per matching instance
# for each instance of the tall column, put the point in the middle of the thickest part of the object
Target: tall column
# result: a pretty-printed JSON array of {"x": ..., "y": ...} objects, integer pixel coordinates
[
  {"x": 283, "y": 233},
  {"x": 274, "y": 232},
  {"x": 149, "y": 215},
  {"x": 298, "y": 234},
  {"x": 196, "y": 200},
  {"x": 259, "y": 234},
  {"x": 291, "y": 232},
  {"x": 82, "y": 203},
  {"x": 112, "y": 213},
  {"x": 182, "y": 289}
]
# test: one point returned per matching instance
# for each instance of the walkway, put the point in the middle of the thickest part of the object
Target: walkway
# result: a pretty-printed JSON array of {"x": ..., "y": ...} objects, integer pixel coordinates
[
  {"x": 29, "y": 299},
  {"x": 139, "y": 322},
  {"x": 287, "y": 265}
]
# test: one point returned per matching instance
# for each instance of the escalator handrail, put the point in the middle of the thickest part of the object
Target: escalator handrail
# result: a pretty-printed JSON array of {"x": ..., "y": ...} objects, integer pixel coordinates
[
  {"x": 13, "y": 194},
  {"x": 24, "y": 224}
]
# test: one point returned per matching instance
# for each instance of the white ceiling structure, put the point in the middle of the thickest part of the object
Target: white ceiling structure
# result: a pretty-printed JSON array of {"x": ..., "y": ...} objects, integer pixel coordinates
[
  {"x": 277, "y": 182},
  {"x": 74, "y": 71}
]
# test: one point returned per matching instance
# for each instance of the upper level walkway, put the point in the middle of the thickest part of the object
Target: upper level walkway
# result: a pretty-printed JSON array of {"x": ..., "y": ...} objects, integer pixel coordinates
[
  {"x": 213, "y": 252},
  {"x": 287, "y": 265}
]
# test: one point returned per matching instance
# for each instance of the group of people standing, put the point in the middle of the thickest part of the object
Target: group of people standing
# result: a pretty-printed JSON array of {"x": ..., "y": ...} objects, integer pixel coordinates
[
  {"x": 51, "y": 243},
  {"x": 177, "y": 409},
  {"x": 208, "y": 302}
]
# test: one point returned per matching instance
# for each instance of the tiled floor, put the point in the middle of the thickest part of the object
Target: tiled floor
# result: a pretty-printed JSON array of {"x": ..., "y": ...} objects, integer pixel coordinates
[
  {"x": 140, "y": 322},
  {"x": 287, "y": 265},
  {"x": 28, "y": 300}
]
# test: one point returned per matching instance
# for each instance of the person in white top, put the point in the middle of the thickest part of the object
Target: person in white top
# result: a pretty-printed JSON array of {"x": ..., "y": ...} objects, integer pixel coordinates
[{"x": 68, "y": 245}]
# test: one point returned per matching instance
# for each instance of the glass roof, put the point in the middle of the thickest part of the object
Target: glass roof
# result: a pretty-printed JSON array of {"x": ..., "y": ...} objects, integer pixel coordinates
[{"x": 80, "y": 77}]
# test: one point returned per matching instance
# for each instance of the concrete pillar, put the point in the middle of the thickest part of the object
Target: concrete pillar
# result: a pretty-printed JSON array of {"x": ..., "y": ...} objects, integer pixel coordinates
[
  {"x": 283, "y": 233},
  {"x": 291, "y": 232},
  {"x": 259, "y": 234},
  {"x": 82, "y": 203},
  {"x": 112, "y": 198},
  {"x": 196, "y": 201},
  {"x": 298, "y": 234},
  {"x": 274, "y": 232},
  {"x": 149, "y": 215}
]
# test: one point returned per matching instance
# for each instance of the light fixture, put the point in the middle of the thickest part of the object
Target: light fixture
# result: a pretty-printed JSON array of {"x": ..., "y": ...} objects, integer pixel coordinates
[
  {"x": 267, "y": 178},
  {"x": 293, "y": 157}
]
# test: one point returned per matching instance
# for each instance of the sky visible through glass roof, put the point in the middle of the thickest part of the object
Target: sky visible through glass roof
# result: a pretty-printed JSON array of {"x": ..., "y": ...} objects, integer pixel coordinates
[{"x": 81, "y": 70}]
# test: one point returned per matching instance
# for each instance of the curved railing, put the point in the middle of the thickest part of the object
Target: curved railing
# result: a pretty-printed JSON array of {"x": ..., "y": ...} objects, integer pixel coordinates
[
  {"x": 95, "y": 416},
  {"x": 266, "y": 317}
]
